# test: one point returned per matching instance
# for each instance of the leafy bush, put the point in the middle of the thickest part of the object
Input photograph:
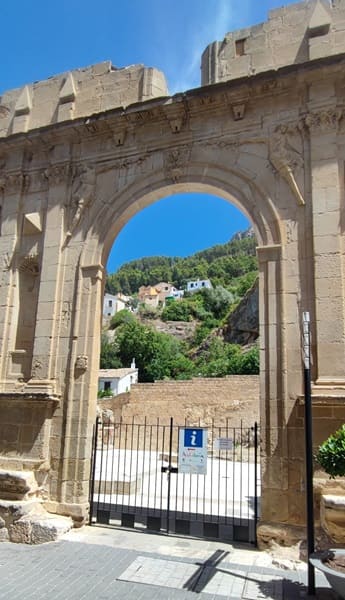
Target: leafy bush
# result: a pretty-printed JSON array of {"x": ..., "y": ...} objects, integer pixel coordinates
[
  {"x": 217, "y": 300},
  {"x": 109, "y": 358},
  {"x": 331, "y": 454},
  {"x": 148, "y": 312},
  {"x": 250, "y": 362},
  {"x": 104, "y": 393},
  {"x": 121, "y": 317},
  {"x": 177, "y": 311}
]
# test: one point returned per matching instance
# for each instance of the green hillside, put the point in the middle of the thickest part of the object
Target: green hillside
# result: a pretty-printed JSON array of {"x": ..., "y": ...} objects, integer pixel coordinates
[
  {"x": 232, "y": 269},
  {"x": 223, "y": 264}
]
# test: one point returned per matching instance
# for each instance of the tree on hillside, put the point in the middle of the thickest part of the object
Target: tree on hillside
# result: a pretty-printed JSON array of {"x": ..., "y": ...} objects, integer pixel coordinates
[{"x": 157, "y": 355}]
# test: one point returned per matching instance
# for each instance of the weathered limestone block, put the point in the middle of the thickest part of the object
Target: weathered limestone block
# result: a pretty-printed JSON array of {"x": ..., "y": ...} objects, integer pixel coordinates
[
  {"x": 49, "y": 528},
  {"x": 17, "y": 485},
  {"x": 332, "y": 514},
  {"x": 282, "y": 535},
  {"x": 28, "y": 522},
  {"x": 4, "y": 535}
]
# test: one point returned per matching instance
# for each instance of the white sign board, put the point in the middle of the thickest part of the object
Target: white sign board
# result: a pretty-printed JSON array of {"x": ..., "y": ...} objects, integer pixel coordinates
[
  {"x": 192, "y": 451},
  {"x": 223, "y": 443}
]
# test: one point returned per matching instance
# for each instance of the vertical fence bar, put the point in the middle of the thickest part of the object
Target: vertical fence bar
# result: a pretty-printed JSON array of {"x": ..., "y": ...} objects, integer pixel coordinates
[
  {"x": 143, "y": 465},
  {"x": 241, "y": 470},
  {"x": 233, "y": 473},
  {"x": 100, "y": 470},
  {"x": 93, "y": 468},
  {"x": 112, "y": 462},
  {"x": 157, "y": 455},
  {"x": 118, "y": 462},
  {"x": 255, "y": 481},
  {"x": 169, "y": 470}
]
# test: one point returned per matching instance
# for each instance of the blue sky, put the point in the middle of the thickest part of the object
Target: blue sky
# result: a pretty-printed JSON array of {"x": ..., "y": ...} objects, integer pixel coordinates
[{"x": 41, "y": 38}]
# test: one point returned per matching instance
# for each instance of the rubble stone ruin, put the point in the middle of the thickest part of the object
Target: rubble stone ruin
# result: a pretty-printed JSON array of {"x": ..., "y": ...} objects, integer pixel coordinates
[{"x": 83, "y": 152}]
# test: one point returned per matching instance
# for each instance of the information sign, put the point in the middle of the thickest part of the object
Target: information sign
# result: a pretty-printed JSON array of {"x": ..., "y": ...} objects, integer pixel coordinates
[
  {"x": 192, "y": 451},
  {"x": 223, "y": 443}
]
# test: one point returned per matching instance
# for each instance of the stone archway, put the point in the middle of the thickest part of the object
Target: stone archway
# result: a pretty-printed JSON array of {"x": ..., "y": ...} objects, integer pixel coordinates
[{"x": 272, "y": 144}]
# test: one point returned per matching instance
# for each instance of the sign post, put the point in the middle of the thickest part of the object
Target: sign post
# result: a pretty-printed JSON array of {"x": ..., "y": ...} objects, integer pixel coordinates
[
  {"x": 308, "y": 430},
  {"x": 192, "y": 451}
]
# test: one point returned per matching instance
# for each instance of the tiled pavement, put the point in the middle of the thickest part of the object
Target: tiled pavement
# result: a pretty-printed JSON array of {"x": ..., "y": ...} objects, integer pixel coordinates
[{"x": 101, "y": 564}]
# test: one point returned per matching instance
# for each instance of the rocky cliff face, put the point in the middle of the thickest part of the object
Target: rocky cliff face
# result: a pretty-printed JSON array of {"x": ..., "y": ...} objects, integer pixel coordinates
[{"x": 243, "y": 324}]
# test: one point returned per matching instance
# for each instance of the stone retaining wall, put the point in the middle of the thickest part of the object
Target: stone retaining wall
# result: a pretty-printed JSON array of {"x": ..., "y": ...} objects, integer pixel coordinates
[{"x": 234, "y": 397}]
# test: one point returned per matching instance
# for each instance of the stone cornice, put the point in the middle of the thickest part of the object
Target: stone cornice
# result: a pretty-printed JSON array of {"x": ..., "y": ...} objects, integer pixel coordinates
[{"x": 177, "y": 108}]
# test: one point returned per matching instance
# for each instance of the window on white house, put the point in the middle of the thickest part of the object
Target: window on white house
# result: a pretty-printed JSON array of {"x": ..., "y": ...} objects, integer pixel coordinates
[{"x": 107, "y": 385}]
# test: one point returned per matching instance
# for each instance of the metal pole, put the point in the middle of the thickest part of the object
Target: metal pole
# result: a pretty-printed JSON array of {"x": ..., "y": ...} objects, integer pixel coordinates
[
  {"x": 169, "y": 470},
  {"x": 256, "y": 481},
  {"x": 308, "y": 430}
]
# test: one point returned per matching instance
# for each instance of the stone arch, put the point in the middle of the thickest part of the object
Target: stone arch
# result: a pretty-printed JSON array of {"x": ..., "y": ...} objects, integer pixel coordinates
[
  {"x": 111, "y": 216},
  {"x": 272, "y": 143},
  {"x": 240, "y": 189}
]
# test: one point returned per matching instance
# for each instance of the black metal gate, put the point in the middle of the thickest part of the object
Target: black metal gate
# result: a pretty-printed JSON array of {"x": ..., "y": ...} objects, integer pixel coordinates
[{"x": 136, "y": 481}]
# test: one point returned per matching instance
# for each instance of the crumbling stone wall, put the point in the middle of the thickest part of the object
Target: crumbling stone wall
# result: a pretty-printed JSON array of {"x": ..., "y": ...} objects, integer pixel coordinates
[
  {"x": 234, "y": 398},
  {"x": 293, "y": 34}
]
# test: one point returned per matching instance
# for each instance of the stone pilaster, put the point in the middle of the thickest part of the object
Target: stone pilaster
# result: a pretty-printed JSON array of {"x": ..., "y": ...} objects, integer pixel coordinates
[{"x": 327, "y": 185}]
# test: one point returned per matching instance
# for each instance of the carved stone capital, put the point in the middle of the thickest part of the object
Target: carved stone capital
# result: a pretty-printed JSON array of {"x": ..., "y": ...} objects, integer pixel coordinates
[
  {"x": 57, "y": 174},
  {"x": 323, "y": 120},
  {"x": 13, "y": 183}
]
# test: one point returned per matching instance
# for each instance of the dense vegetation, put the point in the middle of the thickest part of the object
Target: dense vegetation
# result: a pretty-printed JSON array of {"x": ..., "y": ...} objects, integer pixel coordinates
[
  {"x": 161, "y": 356},
  {"x": 222, "y": 264},
  {"x": 232, "y": 269}
]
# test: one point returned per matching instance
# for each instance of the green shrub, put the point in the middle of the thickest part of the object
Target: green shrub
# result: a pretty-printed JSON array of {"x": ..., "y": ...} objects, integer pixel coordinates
[
  {"x": 331, "y": 454},
  {"x": 121, "y": 317},
  {"x": 250, "y": 362},
  {"x": 104, "y": 393}
]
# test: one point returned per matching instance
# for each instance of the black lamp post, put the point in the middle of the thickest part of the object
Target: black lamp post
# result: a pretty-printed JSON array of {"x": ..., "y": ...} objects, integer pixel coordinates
[{"x": 308, "y": 431}]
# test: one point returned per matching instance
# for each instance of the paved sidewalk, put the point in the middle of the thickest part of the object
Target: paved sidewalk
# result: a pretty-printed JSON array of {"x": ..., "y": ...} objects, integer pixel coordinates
[{"x": 99, "y": 563}]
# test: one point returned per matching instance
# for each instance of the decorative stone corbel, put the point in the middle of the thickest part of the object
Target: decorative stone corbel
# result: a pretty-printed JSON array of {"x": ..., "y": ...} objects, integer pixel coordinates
[
  {"x": 81, "y": 363},
  {"x": 175, "y": 162},
  {"x": 286, "y": 160},
  {"x": 83, "y": 195},
  {"x": 238, "y": 111}
]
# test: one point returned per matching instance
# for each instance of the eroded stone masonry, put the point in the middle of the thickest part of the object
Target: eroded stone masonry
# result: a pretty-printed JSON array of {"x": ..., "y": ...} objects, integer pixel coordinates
[{"x": 84, "y": 151}]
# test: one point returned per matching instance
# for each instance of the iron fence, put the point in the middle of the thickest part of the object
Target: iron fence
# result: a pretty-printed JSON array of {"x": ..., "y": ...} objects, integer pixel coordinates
[{"x": 137, "y": 480}]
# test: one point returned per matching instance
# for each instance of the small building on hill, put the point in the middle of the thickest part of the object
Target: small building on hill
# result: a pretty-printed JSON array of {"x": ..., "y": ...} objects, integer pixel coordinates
[
  {"x": 117, "y": 381},
  {"x": 113, "y": 304},
  {"x": 156, "y": 295},
  {"x": 198, "y": 284}
]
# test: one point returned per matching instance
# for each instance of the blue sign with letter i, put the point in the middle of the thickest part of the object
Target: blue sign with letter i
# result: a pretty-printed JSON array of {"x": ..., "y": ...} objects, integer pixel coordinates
[{"x": 193, "y": 438}]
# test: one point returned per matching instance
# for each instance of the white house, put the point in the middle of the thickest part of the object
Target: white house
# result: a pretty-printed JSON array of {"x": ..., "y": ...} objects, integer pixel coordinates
[
  {"x": 177, "y": 294},
  {"x": 112, "y": 304},
  {"x": 199, "y": 284},
  {"x": 117, "y": 381}
]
